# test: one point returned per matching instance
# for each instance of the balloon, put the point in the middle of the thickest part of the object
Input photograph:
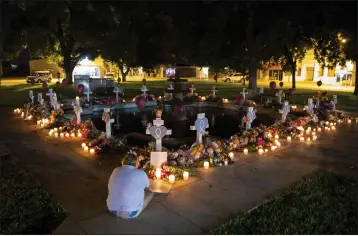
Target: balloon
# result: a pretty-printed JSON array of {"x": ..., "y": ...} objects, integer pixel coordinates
[
  {"x": 80, "y": 88},
  {"x": 240, "y": 100},
  {"x": 44, "y": 85},
  {"x": 319, "y": 83},
  {"x": 272, "y": 85},
  {"x": 144, "y": 81},
  {"x": 281, "y": 84},
  {"x": 64, "y": 83},
  {"x": 111, "y": 101},
  {"x": 58, "y": 84},
  {"x": 140, "y": 102}
]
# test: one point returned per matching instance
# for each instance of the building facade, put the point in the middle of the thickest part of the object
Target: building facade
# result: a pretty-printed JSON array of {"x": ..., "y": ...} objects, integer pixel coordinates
[{"x": 310, "y": 70}]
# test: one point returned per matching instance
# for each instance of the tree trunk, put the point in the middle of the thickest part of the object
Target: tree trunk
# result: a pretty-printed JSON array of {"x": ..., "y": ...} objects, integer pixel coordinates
[
  {"x": 251, "y": 49},
  {"x": 356, "y": 80},
  {"x": 293, "y": 72},
  {"x": 124, "y": 73},
  {"x": 68, "y": 68}
]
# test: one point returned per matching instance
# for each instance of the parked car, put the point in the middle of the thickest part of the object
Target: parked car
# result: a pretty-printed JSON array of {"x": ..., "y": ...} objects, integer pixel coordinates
[
  {"x": 109, "y": 75},
  {"x": 233, "y": 78},
  {"x": 39, "y": 77}
]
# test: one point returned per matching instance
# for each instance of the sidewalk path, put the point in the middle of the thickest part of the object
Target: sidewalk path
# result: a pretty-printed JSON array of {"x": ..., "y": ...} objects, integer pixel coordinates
[{"x": 193, "y": 207}]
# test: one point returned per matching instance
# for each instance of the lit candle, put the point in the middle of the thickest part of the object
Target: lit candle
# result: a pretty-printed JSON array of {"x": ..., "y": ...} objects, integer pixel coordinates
[
  {"x": 226, "y": 162},
  {"x": 319, "y": 129},
  {"x": 269, "y": 135},
  {"x": 302, "y": 139},
  {"x": 231, "y": 155},
  {"x": 22, "y": 114},
  {"x": 331, "y": 124},
  {"x": 85, "y": 148},
  {"x": 276, "y": 136},
  {"x": 67, "y": 135},
  {"x": 38, "y": 122},
  {"x": 308, "y": 139},
  {"x": 278, "y": 144},
  {"x": 158, "y": 173},
  {"x": 313, "y": 133},
  {"x": 328, "y": 129},
  {"x": 92, "y": 150},
  {"x": 327, "y": 123},
  {"x": 314, "y": 130},
  {"x": 50, "y": 133},
  {"x": 333, "y": 128},
  {"x": 261, "y": 151},
  {"x": 314, "y": 138},
  {"x": 56, "y": 134},
  {"x": 206, "y": 165},
  {"x": 83, "y": 144},
  {"x": 289, "y": 138},
  {"x": 62, "y": 135},
  {"x": 246, "y": 151},
  {"x": 266, "y": 150},
  {"x": 349, "y": 121},
  {"x": 308, "y": 131},
  {"x": 42, "y": 125},
  {"x": 73, "y": 135},
  {"x": 273, "y": 148},
  {"x": 186, "y": 175},
  {"x": 171, "y": 179},
  {"x": 79, "y": 135},
  {"x": 276, "y": 141},
  {"x": 55, "y": 129}
]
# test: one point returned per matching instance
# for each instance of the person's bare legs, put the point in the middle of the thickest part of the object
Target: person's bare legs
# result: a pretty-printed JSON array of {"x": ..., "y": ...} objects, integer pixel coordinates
[{"x": 147, "y": 199}]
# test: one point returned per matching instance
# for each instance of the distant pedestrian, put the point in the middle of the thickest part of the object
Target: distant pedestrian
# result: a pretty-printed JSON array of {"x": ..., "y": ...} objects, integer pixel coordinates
[{"x": 216, "y": 77}]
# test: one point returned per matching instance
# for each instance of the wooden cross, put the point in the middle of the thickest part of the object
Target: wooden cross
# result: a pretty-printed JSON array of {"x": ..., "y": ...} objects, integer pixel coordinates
[
  {"x": 40, "y": 99},
  {"x": 144, "y": 90},
  {"x": 158, "y": 131},
  {"x": 244, "y": 93},
  {"x": 78, "y": 110},
  {"x": 88, "y": 92},
  {"x": 280, "y": 94},
  {"x": 117, "y": 90},
  {"x": 214, "y": 91},
  {"x": 192, "y": 89},
  {"x": 50, "y": 94},
  {"x": 201, "y": 124},
  {"x": 106, "y": 117}
]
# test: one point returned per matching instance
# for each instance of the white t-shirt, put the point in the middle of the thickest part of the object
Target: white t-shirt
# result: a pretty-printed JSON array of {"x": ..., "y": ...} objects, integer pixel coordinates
[{"x": 126, "y": 189}]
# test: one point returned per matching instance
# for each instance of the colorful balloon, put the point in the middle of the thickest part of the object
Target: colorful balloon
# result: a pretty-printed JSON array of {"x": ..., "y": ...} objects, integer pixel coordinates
[
  {"x": 273, "y": 85},
  {"x": 319, "y": 83},
  {"x": 240, "y": 100},
  {"x": 281, "y": 84},
  {"x": 140, "y": 102},
  {"x": 64, "y": 83},
  {"x": 80, "y": 88},
  {"x": 44, "y": 85},
  {"x": 111, "y": 101}
]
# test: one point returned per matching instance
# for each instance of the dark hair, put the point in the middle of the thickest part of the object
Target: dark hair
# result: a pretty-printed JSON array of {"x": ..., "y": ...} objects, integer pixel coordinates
[{"x": 129, "y": 161}]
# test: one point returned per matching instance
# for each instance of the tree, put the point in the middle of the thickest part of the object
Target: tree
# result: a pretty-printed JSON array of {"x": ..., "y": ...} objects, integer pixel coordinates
[{"x": 61, "y": 32}]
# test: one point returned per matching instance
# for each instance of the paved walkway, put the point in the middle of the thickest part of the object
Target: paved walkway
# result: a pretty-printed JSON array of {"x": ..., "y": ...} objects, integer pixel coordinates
[{"x": 79, "y": 182}]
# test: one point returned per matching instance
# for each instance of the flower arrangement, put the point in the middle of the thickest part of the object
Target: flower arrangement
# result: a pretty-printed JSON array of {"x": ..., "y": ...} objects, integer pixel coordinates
[
  {"x": 89, "y": 130},
  {"x": 102, "y": 143},
  {"x": 167, "y": 170},
  {"x": 197, "y": 150}
]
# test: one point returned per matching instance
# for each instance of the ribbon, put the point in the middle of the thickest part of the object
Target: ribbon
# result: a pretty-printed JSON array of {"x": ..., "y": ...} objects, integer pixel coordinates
[{"x": 157, "y": 133}]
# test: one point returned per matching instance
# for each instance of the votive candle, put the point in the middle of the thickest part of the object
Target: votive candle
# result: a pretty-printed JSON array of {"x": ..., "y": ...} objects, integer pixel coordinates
[
  {"x": 186, "y": 175},
  {"x": 158, "y": 173},
  {"x": 171, "y": 179},
  {"x": 206, "y": 165},
  {"x": 246, "y": 151}
]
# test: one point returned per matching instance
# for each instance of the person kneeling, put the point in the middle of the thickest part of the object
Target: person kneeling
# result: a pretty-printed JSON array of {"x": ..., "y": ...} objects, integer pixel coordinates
[{"x": 128, "y": 193}]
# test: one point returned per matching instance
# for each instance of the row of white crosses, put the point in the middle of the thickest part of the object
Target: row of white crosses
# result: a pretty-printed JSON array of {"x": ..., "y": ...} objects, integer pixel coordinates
[
  {"x": 280, "y": 94},
  {"x": 53, "y": 99},
  {"x": 200, "y": 125}
]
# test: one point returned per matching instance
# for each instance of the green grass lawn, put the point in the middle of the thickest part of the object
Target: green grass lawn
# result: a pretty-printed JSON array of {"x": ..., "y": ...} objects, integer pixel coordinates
[
  {"x": 324, "y": 203},
  {"x": 26, "y": 207},
  {"x": 14, "y": 94}
]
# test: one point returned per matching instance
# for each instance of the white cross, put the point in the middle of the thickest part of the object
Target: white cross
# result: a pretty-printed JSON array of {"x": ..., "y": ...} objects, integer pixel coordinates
[
  {"x": 310, "y": 106},
  {"x": 54, "y": 101},
  {"x": 251, "y": 116},
  {"x": 261, "y": 90},
  {"x": 88, "y": 92},
  {"x": 192, "y": 89},
  {"x": 50, "y": 94},
  {"x": 106, "y": 117},
  {"x": 244, "y": 93},
  {"x": 117, "y": 90},
  {"x": 280, "y": 94},
  {"x": 40, "y": 99},
  {"x": 144, "y": 90},
  {"x": 214, "y": 91},
  {"x": 31, "y": 96},
  {"x": 317, "y": 103},
  {"x": 201, "y": 124},
  {"x": 170, "y": 86},
  {"x": 78, "y": 110},
  {"x": 285, "y": 110},
  {"x": 158, "y": 131}
]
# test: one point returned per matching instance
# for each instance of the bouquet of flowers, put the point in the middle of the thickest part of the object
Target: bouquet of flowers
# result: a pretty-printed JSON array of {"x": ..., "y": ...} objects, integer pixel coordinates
[{"x": 197, "y": 150}]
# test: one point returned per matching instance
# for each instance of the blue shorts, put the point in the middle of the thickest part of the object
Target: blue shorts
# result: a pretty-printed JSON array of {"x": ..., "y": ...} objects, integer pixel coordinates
[{"x": 126, "y": 214}]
